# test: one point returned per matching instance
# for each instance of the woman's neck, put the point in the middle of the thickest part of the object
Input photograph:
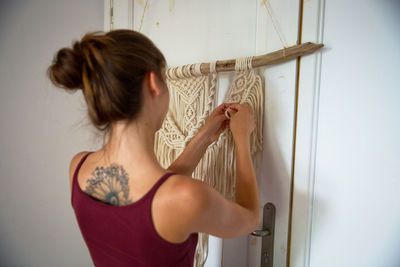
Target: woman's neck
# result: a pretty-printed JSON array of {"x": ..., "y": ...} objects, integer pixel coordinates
[{"x": 133, "y": 145}]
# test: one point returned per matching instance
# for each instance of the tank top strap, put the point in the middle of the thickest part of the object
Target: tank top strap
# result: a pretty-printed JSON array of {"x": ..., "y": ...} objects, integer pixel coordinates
[
  {"x": 80, "y": 163},
  {"x": 75, "y": 177},
  {"x": 160, "y": 181}
]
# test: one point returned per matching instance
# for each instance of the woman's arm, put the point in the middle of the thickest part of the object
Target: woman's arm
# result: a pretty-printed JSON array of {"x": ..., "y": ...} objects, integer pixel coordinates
[
  {"x": 198, "y": 207},
  {"x": 215, "y": 124},
  {"x": 190, "y": 157}
]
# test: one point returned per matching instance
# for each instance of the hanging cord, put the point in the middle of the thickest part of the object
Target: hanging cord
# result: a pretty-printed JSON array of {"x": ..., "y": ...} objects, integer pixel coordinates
[
  {"x": 112, "y": 15},
  {"x": 243, "y": 63},
  {"x": 274, "y": 23},
  {"x": 141, "y": 20}
]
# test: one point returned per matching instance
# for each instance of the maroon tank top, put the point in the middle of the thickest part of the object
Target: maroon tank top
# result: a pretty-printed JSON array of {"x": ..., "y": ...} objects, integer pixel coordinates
[{"x": 125, "y": 235}]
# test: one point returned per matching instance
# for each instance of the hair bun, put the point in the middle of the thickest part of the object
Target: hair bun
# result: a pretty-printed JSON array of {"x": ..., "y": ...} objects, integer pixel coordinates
[{"x": 66, "y": 68}]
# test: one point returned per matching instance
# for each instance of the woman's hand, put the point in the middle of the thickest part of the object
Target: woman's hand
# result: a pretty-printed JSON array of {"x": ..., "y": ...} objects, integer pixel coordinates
[
  {"x": 242, "y": 122},
  {"x": 216, "y": 123}
]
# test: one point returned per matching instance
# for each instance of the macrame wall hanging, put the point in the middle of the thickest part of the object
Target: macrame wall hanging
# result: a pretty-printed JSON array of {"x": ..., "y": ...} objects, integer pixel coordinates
[{"x": 193, "y": 96}]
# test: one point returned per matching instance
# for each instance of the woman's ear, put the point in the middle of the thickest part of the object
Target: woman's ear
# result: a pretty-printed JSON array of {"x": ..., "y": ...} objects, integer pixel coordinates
[{"x": 153, "y": 87}]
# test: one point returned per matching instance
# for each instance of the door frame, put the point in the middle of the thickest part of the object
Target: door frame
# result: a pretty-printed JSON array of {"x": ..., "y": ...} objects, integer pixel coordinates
[
  {"x": 118, "y": 14},
  {"x": 306, "y": 137}
]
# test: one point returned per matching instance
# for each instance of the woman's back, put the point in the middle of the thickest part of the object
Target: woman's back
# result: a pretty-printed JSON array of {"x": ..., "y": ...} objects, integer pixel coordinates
[{"x": 124, "y": 235}]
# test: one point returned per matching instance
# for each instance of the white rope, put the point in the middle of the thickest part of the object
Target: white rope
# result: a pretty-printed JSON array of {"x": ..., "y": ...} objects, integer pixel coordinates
[
  {"x": 243, "y": 63},
  {"x": 275, "y": 23},
  {"x": 141, "y": 20},
  {"x": 197, "y": 70},
  {"x": 213, "y": 65}
]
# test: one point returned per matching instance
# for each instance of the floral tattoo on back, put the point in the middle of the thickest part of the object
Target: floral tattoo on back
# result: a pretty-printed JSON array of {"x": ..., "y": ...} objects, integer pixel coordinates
[{"x": 109, "y": 185}]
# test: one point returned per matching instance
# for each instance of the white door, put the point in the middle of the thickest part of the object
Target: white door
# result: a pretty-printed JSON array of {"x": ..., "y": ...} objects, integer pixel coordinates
[
  {"x": 346, "y": 192},
  {"x": 202, "y": 31}
]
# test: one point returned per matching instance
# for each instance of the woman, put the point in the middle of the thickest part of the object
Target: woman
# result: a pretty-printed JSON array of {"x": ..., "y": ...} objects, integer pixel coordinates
[{"x": 130, "y": 210}]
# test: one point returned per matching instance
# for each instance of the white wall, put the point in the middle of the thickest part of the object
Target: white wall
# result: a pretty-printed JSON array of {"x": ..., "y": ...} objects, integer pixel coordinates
[
  {"x": 41, "y": 129},
  {"x": 356, "y": 218}
]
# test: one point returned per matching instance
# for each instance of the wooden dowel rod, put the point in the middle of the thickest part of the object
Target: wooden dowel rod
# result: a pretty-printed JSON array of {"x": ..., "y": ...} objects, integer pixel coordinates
[{"x": 279, "y": 56}]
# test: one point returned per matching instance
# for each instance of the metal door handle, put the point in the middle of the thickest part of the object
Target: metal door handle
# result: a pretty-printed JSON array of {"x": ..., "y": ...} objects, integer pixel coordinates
[
  {"x": 261, "y": 233},
  {"x": 267, "y": 235}
]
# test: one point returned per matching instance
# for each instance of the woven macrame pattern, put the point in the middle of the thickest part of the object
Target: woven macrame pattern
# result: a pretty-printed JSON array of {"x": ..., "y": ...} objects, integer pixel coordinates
[{"x": 193, "y": 96}]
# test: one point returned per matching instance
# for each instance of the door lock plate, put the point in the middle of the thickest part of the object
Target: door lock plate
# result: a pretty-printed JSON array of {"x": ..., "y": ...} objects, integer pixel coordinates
[{"x": 267, "y": 235}]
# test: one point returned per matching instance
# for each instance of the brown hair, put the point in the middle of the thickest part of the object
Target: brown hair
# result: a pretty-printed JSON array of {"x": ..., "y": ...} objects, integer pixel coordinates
[{"x": 110, "y": 68}]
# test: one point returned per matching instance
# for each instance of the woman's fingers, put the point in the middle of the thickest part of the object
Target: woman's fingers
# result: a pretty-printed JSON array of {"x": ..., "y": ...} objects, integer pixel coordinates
[
  {"x": 230, "y": 111},
  {"x": 218, "y": 110},
  {"x": 235, "y": 106},
  {"x": 221, "y": 108},
  {"x": 222, "y": 117},
  {"x": 226, "y": 110}
]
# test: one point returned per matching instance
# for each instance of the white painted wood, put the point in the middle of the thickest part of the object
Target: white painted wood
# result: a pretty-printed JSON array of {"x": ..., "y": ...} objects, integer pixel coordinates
[
  {"x": 107, "y": 17},
  {"x": 123, "y": 14},
  {"x": 122, "y": 11},
  {"x": 280, "y": 87},
  {"x": 306, "y": 138},
  {"x": 346, "y": 202},
  {"x": 202, "y": 31}
]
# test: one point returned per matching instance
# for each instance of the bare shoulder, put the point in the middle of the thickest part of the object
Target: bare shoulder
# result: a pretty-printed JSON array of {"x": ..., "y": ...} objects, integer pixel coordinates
[
  {"x": 187, "y": 190},
  {"x": 74, "y": 164},
  {"x": 188, "y": 195},
  {"x": 75, "y": 161},
  {"x": 177, "y": 206},
  {"x": 195, "y": 206}
]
